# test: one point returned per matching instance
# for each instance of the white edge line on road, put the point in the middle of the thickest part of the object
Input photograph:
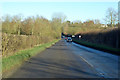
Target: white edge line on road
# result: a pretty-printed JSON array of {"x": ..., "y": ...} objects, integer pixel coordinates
[
  {"x": 100, "y": 73},
  {"x": 112, "y": 56},
  {"x": 90, "y": 49},
  {"x": 87, "y": 61}
]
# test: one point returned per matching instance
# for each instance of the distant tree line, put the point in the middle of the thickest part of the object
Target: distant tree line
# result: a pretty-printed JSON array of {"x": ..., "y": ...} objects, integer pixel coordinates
[
  {"x": 38, "y": 25},
  {"x": 81, "y": 27},
  {"x": 19, "y": 34},
  {"x": 110, "y": 21}
]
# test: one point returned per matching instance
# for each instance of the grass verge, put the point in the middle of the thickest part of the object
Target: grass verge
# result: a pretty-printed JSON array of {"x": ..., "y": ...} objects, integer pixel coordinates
[
  {"x": 99, "y": 47},
  {"x": 21, "y": 56}
]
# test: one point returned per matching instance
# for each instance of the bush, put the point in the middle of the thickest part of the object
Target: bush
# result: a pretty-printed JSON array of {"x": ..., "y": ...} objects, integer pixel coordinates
[
  {"x": 19, "y": 34},
  {"x": 13, "y": 43}
]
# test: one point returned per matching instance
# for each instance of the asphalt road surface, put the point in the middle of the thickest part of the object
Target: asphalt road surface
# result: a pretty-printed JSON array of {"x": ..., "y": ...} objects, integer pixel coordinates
[{"x": 69, "y": 60}]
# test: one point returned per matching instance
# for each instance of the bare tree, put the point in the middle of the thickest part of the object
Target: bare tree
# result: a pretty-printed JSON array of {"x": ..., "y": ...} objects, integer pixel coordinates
[
  {"x": 97, "y": 21},
  {"x": 17, "y": 22},
  {"x": 59, "y": 20},
  {"x": 59, "y": 16},
  {"x": 111, "y": 17}
]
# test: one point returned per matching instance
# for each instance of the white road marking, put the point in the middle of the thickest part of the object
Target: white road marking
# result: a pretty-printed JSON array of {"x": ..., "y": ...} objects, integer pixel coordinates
[
  {"x": 101, "y": 74},
  {"x": 87, "y": 61}
]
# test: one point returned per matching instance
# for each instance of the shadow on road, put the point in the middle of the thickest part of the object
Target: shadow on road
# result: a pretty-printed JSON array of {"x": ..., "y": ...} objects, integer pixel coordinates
[
  {"x": 56, "y": 62},
  {"x": 51, "y": 68}
]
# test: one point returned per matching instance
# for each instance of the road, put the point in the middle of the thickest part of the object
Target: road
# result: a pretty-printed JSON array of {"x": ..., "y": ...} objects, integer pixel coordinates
[{"x": 69, "y": 60}]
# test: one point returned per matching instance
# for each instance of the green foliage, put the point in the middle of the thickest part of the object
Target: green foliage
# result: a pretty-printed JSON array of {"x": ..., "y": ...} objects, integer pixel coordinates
[
  {"x": 79, "y": 27},
  {"x": 13, "y": 43},
  {"x": 19, "y": 57},
  {"x": 19, "y": 34},
  {"x": 11, "y": 24},
  {"x": 38, "y": 26},
  {"x": 94, "y": 45}
]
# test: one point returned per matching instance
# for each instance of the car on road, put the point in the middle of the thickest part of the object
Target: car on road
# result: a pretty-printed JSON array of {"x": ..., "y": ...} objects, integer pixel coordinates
[
  {"x": 65, "y": 38},
  {"x": 62, "y": 36},
  {"x": 69, "y": 39}
]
